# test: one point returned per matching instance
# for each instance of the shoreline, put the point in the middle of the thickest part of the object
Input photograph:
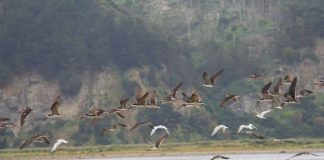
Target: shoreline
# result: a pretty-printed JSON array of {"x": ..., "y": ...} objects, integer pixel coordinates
[{"x": 169, "y": 149}]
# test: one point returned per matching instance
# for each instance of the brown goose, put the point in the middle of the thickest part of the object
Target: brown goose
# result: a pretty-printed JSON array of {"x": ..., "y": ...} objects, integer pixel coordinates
[
  {"x": 139, "y": 124},
  {"x": 54, "y": 107},
  {"x": 303, "y": 153},
  {"x": 229, "y": 98},
  {"x": 140, "y": 98},
  {"x": 265, "y": 93},
  {"x": 123, "y": 104},
  {"x": 94, "y": 113},
  {"x": 219, "y": 157},
  {"x": 210, "y": 82},
  {"x": 23, "y": 115},
  {"x": 159, "y": 142},
  {"x": 276, "y": 88},
  {"x": 291, "y": 95},
  {"x": 172, "y": 95},
  {"x": 191, "y": 101},
  {"x": 35, "y": 137}
]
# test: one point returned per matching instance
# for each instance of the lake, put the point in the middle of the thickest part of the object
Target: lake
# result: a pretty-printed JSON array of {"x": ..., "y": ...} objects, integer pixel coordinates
[{"x": 249, "y": 156}]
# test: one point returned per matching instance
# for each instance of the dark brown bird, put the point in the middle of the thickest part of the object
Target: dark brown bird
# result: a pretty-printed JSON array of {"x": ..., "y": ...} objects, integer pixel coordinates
[
  {"x": 123, "y": 104},
  {"x": 110, "y": 129},
  {"x": 210, "y": 82},
  {"x": 140, "y": 98},
  {"x": 219, "y": 157},
  {"x": 229, "y": 98},
  {"x": 144, "y": 123},
  {"x": 54, "y": 107},
  {"x": 276, "y": 88},
  {"x": 291, "y": 95},
  {"x": 159, "y": 142},
  {"x": 194, "y": 98},
  {"x": 172, "y": 95},
  {"x": 24, "y": 113},
  {"x": 303, "y": 153},
  {"x": 265, "y": 93},
  {"x": 35, "y": 137}
]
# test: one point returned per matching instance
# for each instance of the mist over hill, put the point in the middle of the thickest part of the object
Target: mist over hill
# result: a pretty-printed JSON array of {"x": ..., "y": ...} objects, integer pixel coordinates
[{"x": 95, "y": 52}]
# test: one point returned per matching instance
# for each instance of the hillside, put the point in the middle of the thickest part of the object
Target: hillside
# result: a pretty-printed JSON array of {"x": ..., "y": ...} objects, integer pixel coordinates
[{"x": 94, "y": 52}]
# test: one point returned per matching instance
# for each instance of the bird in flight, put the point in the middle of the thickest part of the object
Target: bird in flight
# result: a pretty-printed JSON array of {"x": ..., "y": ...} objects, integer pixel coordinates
[
  {"x": 23, "y": 115},
  {"x": 210, "y": 81},
  {"x": 217, "y": 128},
  {"x": 261, "y": 115},
  {"x": 250, "y": 126},
  {"x": 159, "y": 127},
  {"x": 172, "y": 95},
  {"x": 140, "y": 97},
  {"x": 303, "y": 153},
  {"x": 229, "y": 98},
  {"x": 123, "y": 104},
  {"x": 256, "y": 76},
  {"x": 265, "y": 93},
  {"x": 291, "y": 95},
  {"x": 57, "y": 143},
  {"x": 153, "y": 103},
  {"x": 35, "y": 138},
  {"x": 144, "y": 123},
  {"x": 219, "y": 157}
]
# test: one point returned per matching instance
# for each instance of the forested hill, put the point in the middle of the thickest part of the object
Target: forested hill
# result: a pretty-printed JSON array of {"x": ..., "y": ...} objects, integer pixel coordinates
[{"x": 93, "y": 52}]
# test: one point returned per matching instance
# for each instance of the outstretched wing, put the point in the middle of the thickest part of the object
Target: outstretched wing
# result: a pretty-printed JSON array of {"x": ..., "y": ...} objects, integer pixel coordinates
[
  {"x": 174, "y": 90},
  {"x": 54, "y": 108},
  {"x": 292, "y": 88},
  {"x": 206, "y": 79},
  {"x": 215, "y": 76},
  {"x": 265, "y": 89},
  {"x": 142, "y": 100},
  {"x": 226, "y": 99}
]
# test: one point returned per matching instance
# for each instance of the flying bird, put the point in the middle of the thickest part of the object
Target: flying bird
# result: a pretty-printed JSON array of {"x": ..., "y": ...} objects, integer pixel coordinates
[
  {"x": 210, "y": 81},
  {"x": 219, "y": 157},
  {"x": 123, "y": 104},
  {"x": 276, "y": 88},
  {"x": 223, "y": 127},
  {"x": 261, "y": 115},
  {"x": 54, "y": 107},
  {"x": 23, "y": 115},
  {"x": 172, "y": 95},
  {"x": 159, "y": 142},
  {"x": 144, "y": 123},
  {"x": 153, "y": 101},
  {"x": 229, "y": 98},
  {"x": 57, "y": 143},
  {"x": 291, "y": 95},
  {"x": 265, "y": 93},
  {"x": 140, "y": 98},
  {"x": 191, "y": 101},
  {"x": 303, "y": 153},
  {"x": 116, "y": 112},
  {"x": 108, "y": 129},
  {"x": 94, "y": 113},
  {"x": 35, "y": 137},
  {"x": 256, "y": 76},
  {"x": 159, "y": 127},
  {"x": 250, "y": 126}
]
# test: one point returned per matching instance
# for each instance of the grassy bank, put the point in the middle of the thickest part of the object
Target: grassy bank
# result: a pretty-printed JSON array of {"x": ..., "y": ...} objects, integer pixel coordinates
[{"x": 166, "y": 149}]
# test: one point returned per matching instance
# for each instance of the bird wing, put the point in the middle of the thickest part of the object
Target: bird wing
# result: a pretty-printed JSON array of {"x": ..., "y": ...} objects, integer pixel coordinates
[
  {"x": 276, "y": 88},
  {"x": 215, "y": 76},
  {"x": 216, "y": 130},
  {"x": 54, "y": 108},
  {"x": 56, "y": 144},
  {"x": 138, "y": 92},
  {"x": 159, "y": 142},
  {"x": 186, "y": 98},
  {"x": 174, "y": 90},
  {"x": 226, "y": 99},
  {"x": 121, "y": 125},
  {"x": 241, "y": 128},
  {"x": 265, "y": 112},
  {"x": 206, "y": 79},
  {"x": 45, "y": 139},
  {"x": 195, "y": 97},
  {"x": 292, "y": 88},
  {"x": 265, "y": 89},
  {"x": 135, "y": 126},
  {"x": 120, "y": 115},
  {"x": 123, "y": 102},
  {"x": 25, "y": 144},
  {"x": 153, "y": 130},
  {"x": 142, "y": 100}
]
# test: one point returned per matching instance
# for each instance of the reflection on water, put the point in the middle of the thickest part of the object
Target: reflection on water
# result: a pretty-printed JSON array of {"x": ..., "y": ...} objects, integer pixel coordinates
[{"x": 259, "y": 156}]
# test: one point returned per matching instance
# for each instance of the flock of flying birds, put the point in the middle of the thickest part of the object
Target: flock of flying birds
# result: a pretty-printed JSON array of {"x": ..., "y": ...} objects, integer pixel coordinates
[{"x": 276, "y": 97}]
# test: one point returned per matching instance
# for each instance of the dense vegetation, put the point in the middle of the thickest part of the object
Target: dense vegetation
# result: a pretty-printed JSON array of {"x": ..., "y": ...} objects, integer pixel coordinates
[{"x": 62, "y": 39}]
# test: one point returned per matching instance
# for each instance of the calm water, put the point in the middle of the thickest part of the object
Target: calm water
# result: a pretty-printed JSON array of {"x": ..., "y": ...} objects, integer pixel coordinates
[{"x": 259, "y": 156}]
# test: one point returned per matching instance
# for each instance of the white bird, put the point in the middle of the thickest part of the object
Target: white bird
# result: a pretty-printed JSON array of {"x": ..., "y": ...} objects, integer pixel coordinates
[
  {"x": 261, "y": 115},
  {"x": 250, "y": 126},
  {"x": 57, "y": 143},
  {"x": 159, "y": 127},
  {"x": 223, "y": 127}
]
